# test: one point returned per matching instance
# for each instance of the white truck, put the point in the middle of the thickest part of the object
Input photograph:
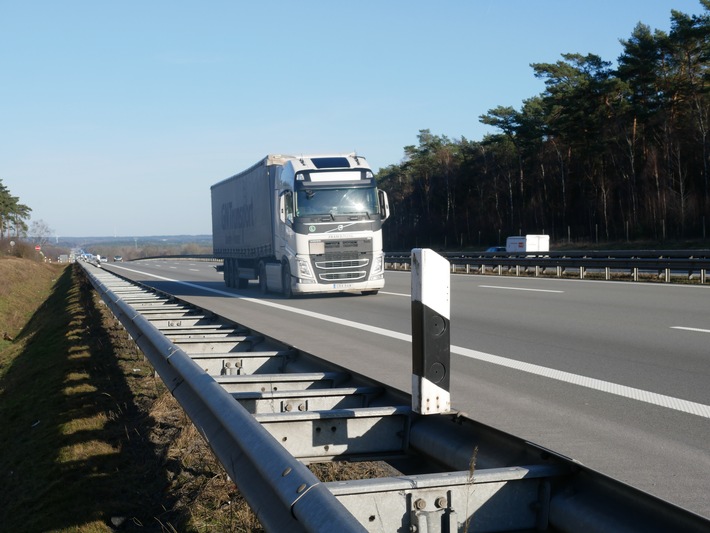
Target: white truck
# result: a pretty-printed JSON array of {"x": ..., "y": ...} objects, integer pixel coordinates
[
  {"x": 301, "y": 224},
  {"x": 527, "y": 244}
]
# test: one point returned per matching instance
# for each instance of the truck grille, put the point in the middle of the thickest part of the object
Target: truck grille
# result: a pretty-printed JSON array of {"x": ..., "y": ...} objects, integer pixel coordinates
[
  {"x": 343, "y": 276},
  {"x": 344, "y": 261},
  {"x": 331, "y": 264}
]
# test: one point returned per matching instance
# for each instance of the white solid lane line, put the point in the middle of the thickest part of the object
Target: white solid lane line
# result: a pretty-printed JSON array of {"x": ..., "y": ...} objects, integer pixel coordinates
[
  {"x": 609, "y": 387},
  {"x": 691, "y": 329},
  {"x": 640, "y": 395}
]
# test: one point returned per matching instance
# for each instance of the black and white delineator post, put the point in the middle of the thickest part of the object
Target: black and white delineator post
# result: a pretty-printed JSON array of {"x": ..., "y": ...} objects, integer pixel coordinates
[{"x": 431, "y": 338}]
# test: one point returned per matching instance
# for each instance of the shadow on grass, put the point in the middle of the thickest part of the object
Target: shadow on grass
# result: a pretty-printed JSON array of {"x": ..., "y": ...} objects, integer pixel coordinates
[{"x": 76, "y": 452}]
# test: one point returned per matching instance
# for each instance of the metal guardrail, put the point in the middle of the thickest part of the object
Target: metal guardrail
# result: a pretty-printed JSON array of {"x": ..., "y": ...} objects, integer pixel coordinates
[
  {"x": 634, "y": 265},
  {"x": 285, "y": 495},
  {"x": 266, "y": 408}
]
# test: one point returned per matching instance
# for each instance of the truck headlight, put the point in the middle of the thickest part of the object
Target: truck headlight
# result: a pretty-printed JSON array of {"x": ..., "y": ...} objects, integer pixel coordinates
[
  {"x": 378, "y": 266},
  {"x": 304, "y": 269}
]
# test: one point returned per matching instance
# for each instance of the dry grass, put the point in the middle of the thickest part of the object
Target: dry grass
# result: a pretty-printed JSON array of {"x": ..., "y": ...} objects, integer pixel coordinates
[
  {"x": 92, "y": 441},
  {"x": 24, "y": 285}
]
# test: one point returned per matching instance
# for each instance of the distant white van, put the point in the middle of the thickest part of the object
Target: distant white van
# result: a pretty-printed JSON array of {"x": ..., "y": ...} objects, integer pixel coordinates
[{"x": 527, "y": 243}]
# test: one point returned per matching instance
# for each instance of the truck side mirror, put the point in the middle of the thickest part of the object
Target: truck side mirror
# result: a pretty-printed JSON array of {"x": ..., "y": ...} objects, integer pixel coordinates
[{"x": 384, "y": 205}]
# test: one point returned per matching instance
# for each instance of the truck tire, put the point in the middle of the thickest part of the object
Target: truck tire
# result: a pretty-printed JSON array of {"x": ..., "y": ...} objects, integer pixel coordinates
[
  {"x": 262, "y": 278},
  {"x": 286, "y": 281}
]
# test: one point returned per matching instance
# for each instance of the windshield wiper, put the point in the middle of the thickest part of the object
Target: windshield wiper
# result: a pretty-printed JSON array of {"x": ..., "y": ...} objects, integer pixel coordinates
[{"x": 360, "y": 213}]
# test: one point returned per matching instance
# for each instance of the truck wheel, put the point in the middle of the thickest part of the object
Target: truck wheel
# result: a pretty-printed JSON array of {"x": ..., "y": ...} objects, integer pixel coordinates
[
  {"x": 286, "y": 281},
  {"x": 262, "y": 278}
]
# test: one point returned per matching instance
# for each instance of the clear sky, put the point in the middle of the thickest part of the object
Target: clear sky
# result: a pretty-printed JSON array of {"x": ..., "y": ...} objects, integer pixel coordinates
[{"x": 116, "y": 117}]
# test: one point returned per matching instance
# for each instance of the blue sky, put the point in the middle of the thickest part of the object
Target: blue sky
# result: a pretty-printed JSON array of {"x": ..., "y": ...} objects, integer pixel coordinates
[{"x": 116, "y": 117}]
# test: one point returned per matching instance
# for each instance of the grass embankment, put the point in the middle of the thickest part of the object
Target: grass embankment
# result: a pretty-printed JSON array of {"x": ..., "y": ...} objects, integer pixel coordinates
[{"x": 91, "y": 441}]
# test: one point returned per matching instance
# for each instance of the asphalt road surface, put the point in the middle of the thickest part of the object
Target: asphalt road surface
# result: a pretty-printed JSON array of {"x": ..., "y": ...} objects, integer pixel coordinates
[{"x": 615, "y": 375}]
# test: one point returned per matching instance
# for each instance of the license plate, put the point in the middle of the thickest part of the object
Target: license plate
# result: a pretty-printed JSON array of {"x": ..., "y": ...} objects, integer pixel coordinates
[{"x": 342, "y": 285}]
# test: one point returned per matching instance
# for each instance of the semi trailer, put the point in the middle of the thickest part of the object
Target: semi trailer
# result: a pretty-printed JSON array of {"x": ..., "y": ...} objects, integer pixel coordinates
[{"x": 301, "y": 225}]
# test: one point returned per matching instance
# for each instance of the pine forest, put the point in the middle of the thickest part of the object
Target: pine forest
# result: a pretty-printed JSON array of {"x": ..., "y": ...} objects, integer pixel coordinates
[{"x": 601, "y": 155}]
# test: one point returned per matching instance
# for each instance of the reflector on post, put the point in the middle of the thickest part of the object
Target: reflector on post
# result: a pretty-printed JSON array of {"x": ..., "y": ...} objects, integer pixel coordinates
[{"x": 431, "y": 338}]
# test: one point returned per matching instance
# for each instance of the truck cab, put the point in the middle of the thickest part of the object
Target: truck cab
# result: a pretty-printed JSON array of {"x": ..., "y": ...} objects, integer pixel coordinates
[
  {"x": 330, "y": 218},
  {"x": 301, "y": 224}
]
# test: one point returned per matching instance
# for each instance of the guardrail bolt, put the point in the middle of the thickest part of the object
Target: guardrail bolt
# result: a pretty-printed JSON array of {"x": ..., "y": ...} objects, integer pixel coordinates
[
  {"x": 420, "y": 504},
  {"x": 441, "y": 502}
]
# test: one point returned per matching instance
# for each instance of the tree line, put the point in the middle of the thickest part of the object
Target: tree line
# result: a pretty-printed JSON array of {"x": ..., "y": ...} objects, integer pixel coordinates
[
  {"x": 13, "y": 214},
  {"x": 602, "y": 154}
]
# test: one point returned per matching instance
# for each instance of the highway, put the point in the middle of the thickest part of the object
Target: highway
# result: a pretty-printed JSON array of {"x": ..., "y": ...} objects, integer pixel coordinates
[{"x": 615, "y": 375}]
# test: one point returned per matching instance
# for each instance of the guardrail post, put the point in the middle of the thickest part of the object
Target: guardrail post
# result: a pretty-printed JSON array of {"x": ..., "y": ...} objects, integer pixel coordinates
[{"x": 431, "y": 338}]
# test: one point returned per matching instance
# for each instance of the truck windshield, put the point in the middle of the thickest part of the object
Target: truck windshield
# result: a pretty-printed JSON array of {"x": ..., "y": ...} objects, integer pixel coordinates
[{"x": 333, "y": 202}]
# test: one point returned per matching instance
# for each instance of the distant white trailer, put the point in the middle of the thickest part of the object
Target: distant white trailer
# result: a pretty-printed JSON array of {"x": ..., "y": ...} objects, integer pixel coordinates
[{"x": 527, "y": 244}]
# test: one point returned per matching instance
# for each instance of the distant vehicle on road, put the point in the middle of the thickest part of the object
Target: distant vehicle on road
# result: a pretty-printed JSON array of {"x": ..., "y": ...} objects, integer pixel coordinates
[
  {"x": 496, "y": 249},
  {"x": 527, "y": 244},
  {"x": 118, "y": 258}
]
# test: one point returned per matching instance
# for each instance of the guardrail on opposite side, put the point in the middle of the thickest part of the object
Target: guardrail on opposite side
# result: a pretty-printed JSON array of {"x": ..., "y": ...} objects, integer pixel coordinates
[{"x": 634, "y": 265}]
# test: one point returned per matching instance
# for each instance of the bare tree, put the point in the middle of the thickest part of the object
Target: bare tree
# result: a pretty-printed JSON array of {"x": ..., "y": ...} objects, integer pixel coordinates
[{"x": 40, "y": 232}]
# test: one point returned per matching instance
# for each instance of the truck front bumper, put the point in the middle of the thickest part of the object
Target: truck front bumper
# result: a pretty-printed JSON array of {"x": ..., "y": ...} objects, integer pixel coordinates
[{"x": 325, "y": 288}]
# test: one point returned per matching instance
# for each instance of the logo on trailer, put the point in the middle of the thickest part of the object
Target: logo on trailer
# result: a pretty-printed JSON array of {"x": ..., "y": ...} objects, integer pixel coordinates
[{"x": 237, "y": 217}]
